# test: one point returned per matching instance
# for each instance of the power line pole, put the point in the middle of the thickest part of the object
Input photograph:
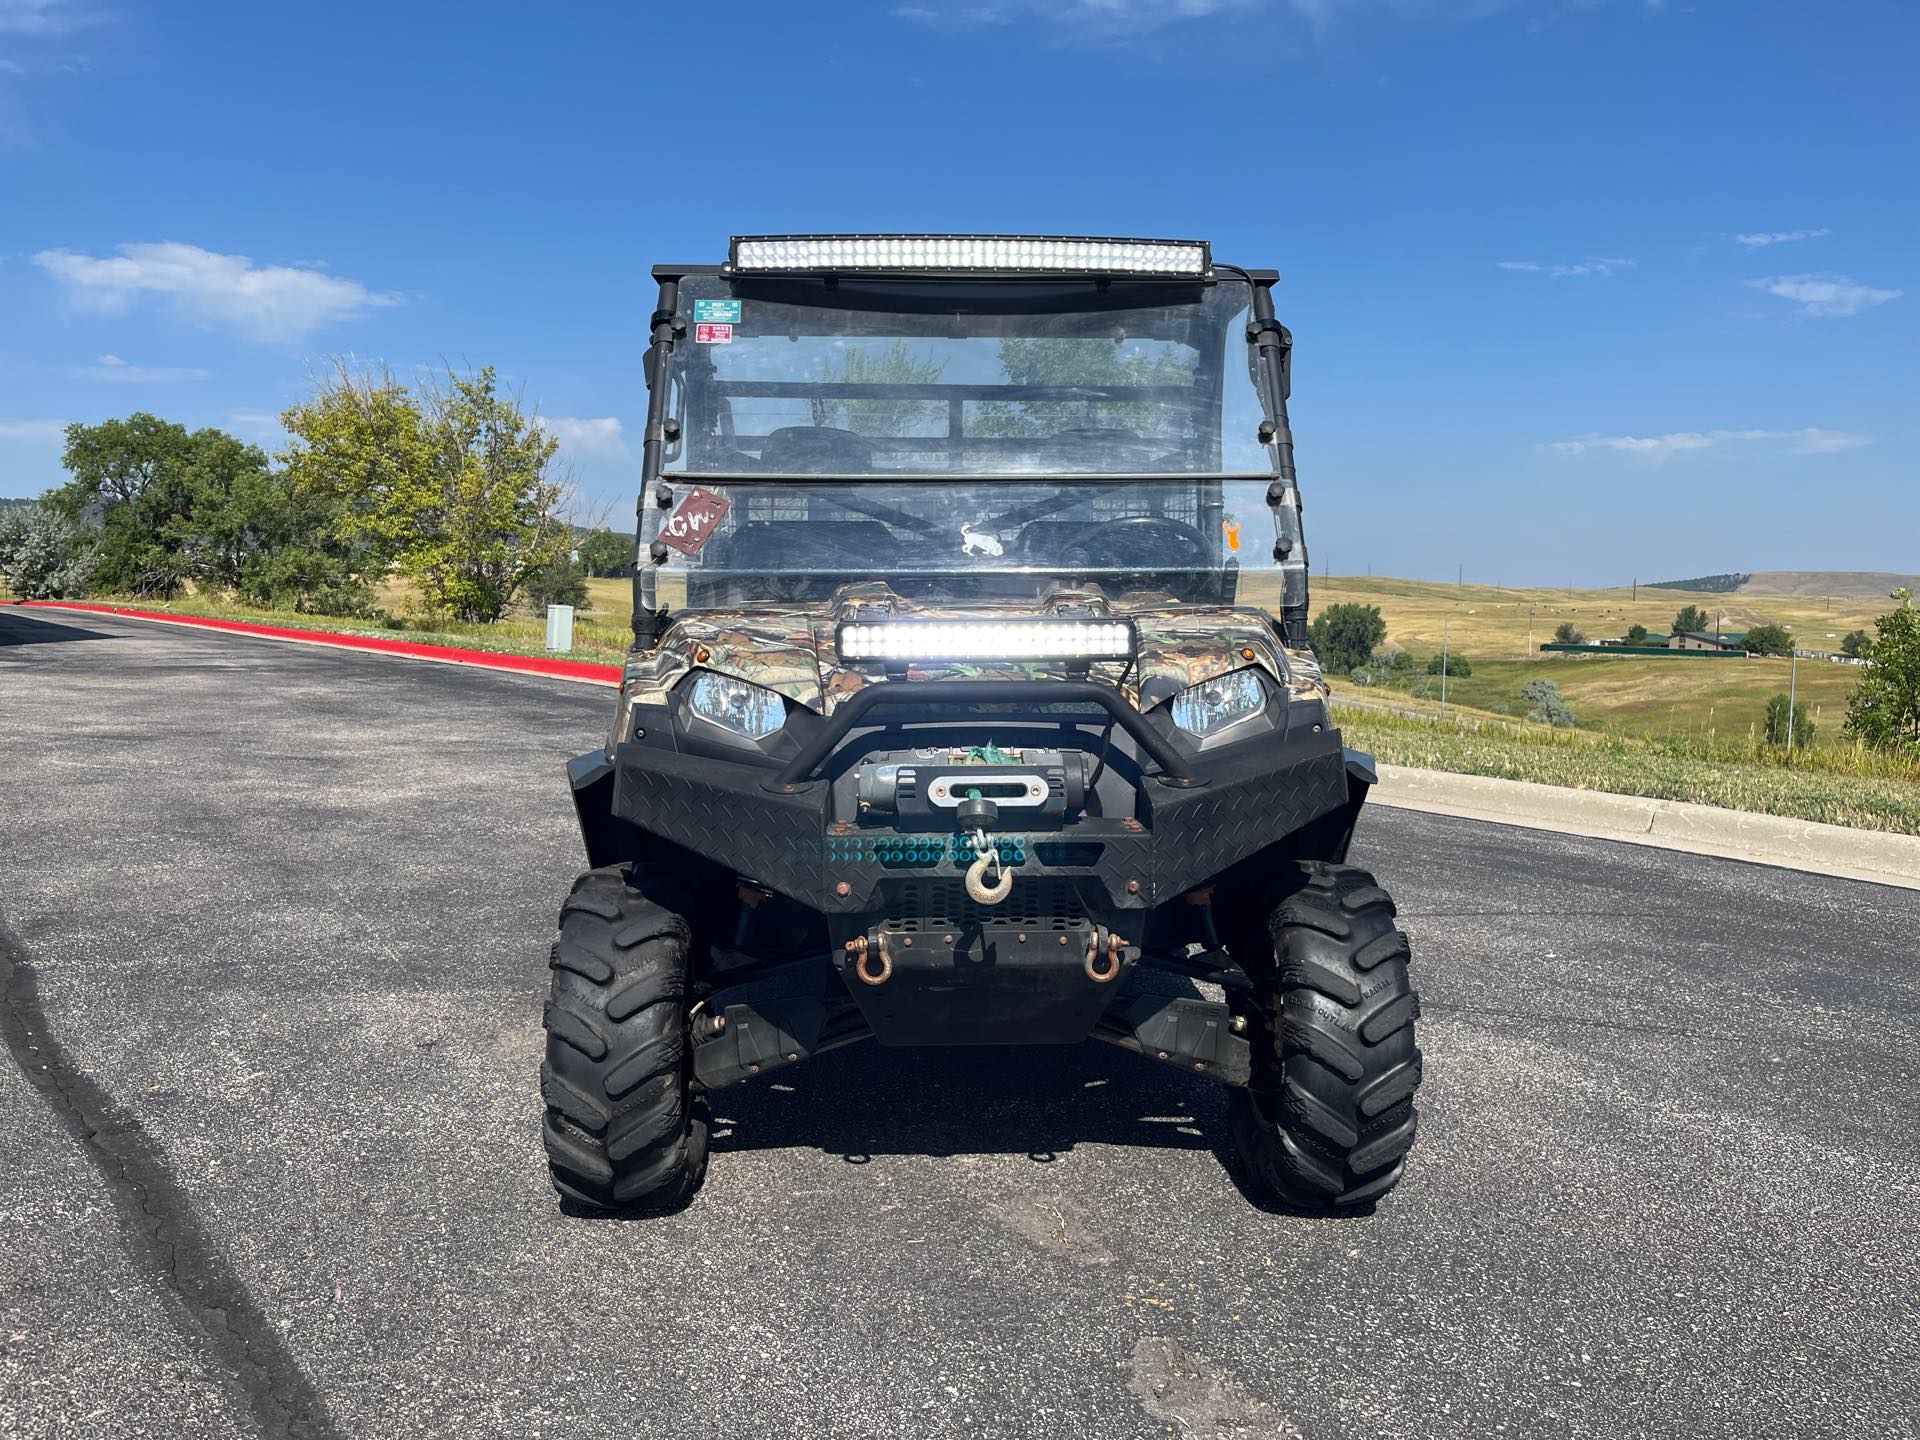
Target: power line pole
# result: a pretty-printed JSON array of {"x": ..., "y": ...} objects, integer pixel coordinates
[
  {"x": 1793, "y": 690},
  {"x": 1444, "y": 666},
  {"x": 1529, "y": 654}
]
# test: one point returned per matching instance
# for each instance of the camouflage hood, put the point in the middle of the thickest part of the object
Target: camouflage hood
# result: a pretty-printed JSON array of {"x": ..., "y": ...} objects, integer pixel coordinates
[{"x": 792, "y": 651}]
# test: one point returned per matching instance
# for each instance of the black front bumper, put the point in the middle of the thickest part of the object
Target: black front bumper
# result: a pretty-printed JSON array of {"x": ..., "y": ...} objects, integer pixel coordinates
[{"x": 1186, "y": 831}]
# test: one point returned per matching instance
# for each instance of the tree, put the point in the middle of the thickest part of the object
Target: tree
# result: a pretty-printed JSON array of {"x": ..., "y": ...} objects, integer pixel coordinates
[
  {"x": 129, "y": 486},
  {"x": 1778, "y": 709},
  {"x": 1636, "y": 635},
  {"x": 168, "y": 506},
  {"x": 454, "y": 487},
  {"x": 605, "y": 553},
  {"x": 1769, "y": 639},
  {"x": 1569, "y": 634},
  {"x": 1548, "y": 707},
  {"x": 1691, "y": 621},
  {"x": 43, "y": 554},
  {"x": 1455, "y": 666},
  {"x": 1884, "y": 710},
  {"x": 1857, "y": 643},
  {"x": 1345, "y": 635}
]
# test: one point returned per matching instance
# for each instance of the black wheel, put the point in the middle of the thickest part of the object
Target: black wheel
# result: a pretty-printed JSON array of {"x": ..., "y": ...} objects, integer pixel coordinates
[
  {"x": 1329, "y": 1117},
  {"x": 626, "y": 1125}
]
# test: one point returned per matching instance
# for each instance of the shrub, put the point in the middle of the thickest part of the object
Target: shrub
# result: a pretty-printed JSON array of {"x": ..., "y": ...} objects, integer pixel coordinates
[
  {"x": 1636, "y": 635},
  {"x": 1884, "y": 710},
  {"x": 1777, "y": 713},
  {"x": 1857, "y": 643},
  {"x": 307, "y": 580},
  {"x": 1345, "y": 635},
  {"x": 43, "y": 555},
  {"x": 1456, "y": 666},
  {"x": 557, "y": 583},
  {"x": 1548, "y": 707},
  {"x": 1569, "y": 634}
]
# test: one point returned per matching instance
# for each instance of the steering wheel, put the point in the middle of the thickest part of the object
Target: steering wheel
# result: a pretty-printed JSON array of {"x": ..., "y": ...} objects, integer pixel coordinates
[{"x": 1139, "y": 542}]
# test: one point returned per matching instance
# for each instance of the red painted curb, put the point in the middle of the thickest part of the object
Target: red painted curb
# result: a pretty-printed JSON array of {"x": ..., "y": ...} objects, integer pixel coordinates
[{"x": 488, "y": 659}]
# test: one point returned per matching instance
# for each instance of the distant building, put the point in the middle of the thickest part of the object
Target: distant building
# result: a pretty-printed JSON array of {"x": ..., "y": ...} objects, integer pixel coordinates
[{"x": 1706, "y": 640}]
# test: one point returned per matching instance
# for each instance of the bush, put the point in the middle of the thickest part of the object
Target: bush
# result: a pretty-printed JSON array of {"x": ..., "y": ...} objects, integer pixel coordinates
[
  {"x": 557, "y": 583},
  {"x": 308, "y": 581},
  {"x": 1394, "y": 662},
  {"x": 1636, "y": 635},
  {"x": 1777, "y": 712},
  {"x": 1569, "y": 634},
  {"x": 1345, "y": 635},
  {"x": 1857, "y": 643},
  {"x": 1548, "y": 707},
  {"x": 43, "y": 555},
  {"x": 1456, "y": 666},
  {"x": 1769, "y": 640},
  {"x": 1363, "y": 677}
]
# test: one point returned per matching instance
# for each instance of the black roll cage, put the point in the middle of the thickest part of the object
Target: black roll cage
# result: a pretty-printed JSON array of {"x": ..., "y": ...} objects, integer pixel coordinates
[{"x": 1272, "y": 344}]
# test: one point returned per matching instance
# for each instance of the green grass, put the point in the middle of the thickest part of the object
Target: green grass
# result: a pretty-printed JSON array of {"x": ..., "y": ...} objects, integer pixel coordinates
[
  {"x": 595, "y": 638},
  {"x": 1837, "y": 786}
]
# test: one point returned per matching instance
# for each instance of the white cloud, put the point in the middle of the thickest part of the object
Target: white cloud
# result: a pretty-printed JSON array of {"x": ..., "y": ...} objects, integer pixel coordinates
[
  {"x": 260, "y": 302},
  {"x": 1810, "y": 440},
  {"x": 1100, "y": 18},
  {"x": 1826, "y": 295},
  {"x": 594, "y": 438},
  {"x": 1757, "y": 239},
  {"x": 1599, "y": 266},
  {"x": 38, "y": 432},
  {"x": 113, "y": 368},
  {"x": 45, "y": 17}
]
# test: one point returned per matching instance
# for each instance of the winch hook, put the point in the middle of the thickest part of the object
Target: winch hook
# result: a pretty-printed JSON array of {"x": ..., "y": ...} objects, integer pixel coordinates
[{"x": 986, "y": 861}]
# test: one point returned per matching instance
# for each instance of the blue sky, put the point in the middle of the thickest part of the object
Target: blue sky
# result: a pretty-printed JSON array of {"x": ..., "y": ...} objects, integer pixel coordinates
[{"x": 1580, "y": 289}]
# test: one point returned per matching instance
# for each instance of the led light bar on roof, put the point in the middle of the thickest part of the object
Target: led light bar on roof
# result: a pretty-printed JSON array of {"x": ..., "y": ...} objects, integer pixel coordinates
[
  {"x": 947, "y": 254},
  {"x": 986, "y": 640}
]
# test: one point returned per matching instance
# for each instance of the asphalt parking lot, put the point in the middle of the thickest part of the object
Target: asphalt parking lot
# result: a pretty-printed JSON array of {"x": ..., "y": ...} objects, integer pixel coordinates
[{"x": 274, "y": 921}]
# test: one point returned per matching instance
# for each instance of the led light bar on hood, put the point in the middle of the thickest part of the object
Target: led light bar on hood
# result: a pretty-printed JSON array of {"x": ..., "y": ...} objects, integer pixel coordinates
[
  {"x": 986, "y": 640},
  {"x": 965, "y": 254}
]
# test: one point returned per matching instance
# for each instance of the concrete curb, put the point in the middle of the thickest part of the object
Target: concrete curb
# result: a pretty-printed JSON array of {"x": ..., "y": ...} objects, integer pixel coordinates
[{"x": 1666, "y": 824}]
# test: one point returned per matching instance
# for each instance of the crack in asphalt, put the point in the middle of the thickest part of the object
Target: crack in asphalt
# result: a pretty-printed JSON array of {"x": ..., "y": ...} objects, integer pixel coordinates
[{"x": 212, "y": 1305}]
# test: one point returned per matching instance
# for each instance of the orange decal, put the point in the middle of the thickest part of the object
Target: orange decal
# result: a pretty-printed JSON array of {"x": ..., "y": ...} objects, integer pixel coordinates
[{"x": 1233, "y": 534}]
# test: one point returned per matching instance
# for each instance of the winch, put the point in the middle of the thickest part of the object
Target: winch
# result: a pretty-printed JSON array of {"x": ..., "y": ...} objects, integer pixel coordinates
[{"x": 965, "y": 788}]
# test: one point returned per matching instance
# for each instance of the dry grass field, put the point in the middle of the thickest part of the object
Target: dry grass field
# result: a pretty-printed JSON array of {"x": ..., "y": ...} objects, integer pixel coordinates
[{"x": 1723, "y": 700}]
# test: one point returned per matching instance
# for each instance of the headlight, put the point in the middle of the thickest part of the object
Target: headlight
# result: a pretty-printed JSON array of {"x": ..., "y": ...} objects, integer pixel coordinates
[
  {"x": 752, "y": 712},
  {"x": 1212, "y": 705}
]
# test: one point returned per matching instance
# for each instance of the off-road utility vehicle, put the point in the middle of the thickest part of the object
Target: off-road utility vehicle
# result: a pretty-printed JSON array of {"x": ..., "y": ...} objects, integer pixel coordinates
[{"x": 970, "y": 699}]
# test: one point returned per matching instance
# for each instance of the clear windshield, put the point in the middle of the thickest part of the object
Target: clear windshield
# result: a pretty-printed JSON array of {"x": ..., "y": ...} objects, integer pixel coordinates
[
  {"x": 792, "y": 377},
  {"x": 963, "y": 440}
]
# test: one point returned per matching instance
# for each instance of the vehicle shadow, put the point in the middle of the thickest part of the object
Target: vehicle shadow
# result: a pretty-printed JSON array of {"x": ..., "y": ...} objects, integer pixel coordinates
[
  {"x": 17, "y": 628},
  {"x": 1040, "y": 1102}
]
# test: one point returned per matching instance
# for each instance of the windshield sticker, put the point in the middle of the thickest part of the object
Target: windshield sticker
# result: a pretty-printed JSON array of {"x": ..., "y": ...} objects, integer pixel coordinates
[
  {"x": 979, "y": 542},
  {"x": 694, "y": 521},
  {"x": 709, "y": 334},
  {"x": 1231, "y": 528},
  {"x": 717, "y": 312}
]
